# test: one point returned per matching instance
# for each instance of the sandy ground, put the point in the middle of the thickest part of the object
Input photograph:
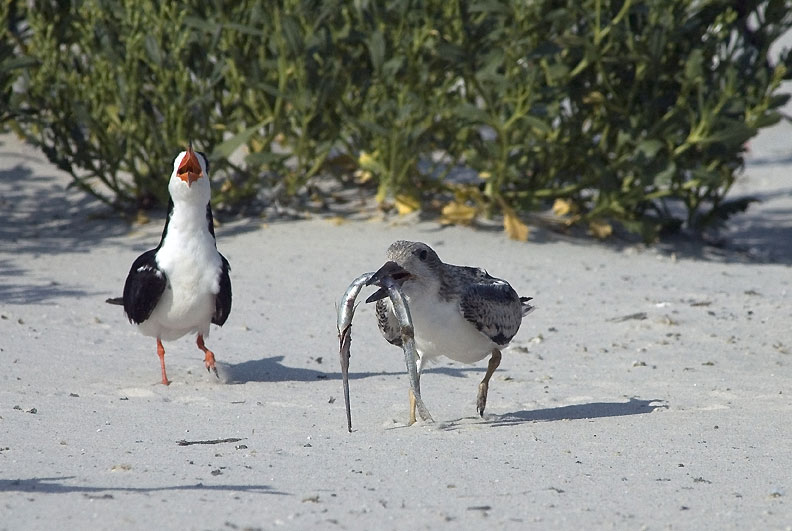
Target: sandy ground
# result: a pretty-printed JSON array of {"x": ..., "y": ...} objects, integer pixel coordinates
[{"x": 650, "y": 389}]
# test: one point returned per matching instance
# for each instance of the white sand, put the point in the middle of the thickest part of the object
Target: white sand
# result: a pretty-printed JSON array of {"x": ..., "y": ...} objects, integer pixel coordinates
[{"x": 680, "y": 418}]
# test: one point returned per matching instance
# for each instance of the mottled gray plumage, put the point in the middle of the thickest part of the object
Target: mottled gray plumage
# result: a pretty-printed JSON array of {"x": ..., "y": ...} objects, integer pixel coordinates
[
  {"x": 488, "y": 303},
  {"x": 459, "y": 312},
  {"x": 388, "y": 324}
]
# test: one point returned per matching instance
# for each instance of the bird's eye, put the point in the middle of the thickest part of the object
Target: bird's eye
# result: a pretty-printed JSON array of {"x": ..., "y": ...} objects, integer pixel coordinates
[{"x": 423, "y": 254}]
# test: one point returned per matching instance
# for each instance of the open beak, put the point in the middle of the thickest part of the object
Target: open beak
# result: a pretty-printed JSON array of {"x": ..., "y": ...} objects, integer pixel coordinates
[
  {"x": 389, "y": 272},
  {"x": 190, "y": 169}
]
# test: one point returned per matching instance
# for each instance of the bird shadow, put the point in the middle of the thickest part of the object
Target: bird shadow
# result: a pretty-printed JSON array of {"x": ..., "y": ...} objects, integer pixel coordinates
[
  {"x": 593, "y": 410},
  {"x": 57, "y": 485},
  {"x": 272, "y": 370}
]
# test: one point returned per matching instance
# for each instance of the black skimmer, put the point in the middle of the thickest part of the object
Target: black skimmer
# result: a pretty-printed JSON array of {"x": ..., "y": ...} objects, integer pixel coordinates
[
  {"x": 459, "y": 312},
  {"x": 183, "y": 284}
]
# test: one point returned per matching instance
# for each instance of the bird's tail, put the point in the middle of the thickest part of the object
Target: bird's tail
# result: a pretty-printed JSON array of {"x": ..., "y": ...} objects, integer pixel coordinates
[
  {"x": 115, "y": 300},
  {"x": 527, "y": 307}
]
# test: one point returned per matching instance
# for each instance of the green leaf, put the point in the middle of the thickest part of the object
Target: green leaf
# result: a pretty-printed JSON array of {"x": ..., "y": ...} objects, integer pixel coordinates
[
  {"x": 15, "y": 62},
  {"x": 374, "y": 128},
  {"x": 470, "y": 112},
  {"x": 537, "y": 124},
  {"x": 488, "y": 6},
  {"x": 227, "y": 147},
  {"x": 376, "y": 45},
  {"x": 392, "y": 66},
  {"x": 201, "y": 24},
  {"x": 664, "y": 178},
  {"x": 266, "y": 158},
  {"x": 153, "y": 50},
  {"x": 736, "y": 134},
  {"x": 694, "y": 65},
  {"x": 767, "y": 119},
  {"x": 649, "y": 147},
  {"x": 292, "y": 34},
  {"x": 271, "y": 90},
  {"x": 243, "y": 28},
  {"x": 779, "y": 100}
]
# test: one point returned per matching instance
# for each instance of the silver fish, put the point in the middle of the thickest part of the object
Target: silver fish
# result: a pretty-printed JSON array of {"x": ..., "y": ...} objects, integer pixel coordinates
[
  {"x": 402, "y": 312},
  {"x": 346, "y": 311}
]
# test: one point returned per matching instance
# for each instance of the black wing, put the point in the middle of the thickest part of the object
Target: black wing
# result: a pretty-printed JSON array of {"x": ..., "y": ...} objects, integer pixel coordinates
[
  {"x": 223, "y": 299},
  {"x": 143, "y": 288},
  {"x": 494, "y": 308},
  {"x": 388, "y": 324}
]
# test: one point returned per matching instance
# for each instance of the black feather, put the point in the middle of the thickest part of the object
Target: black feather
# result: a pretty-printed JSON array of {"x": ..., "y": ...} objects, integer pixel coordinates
[
  {"x": 210, "y": 219},
  {"x": 223, "y": 299},
  {"x": 143, "y": 287}
]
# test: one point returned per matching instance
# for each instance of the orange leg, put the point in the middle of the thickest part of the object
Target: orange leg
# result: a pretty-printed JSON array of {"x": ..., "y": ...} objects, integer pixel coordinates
[
  {"x": 209, "y": 359},
  {"x": 161, "y": 354}
]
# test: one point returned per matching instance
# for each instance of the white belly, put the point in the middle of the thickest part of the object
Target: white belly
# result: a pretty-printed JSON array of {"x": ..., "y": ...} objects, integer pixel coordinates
[
  {"x": 441, "y": 330},
  {"x": 188, "y": 302},
  {"x": 180, "y": 312}
]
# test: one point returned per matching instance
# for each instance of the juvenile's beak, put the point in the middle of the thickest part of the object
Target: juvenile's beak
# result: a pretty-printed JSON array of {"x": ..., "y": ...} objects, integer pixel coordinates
[
  {"x": 190, "y": 169},
  {"x": 389, "y": 272}
]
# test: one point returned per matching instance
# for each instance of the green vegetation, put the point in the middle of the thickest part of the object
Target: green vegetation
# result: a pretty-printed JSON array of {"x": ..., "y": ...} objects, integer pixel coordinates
[{"x": 608, "y": 111}]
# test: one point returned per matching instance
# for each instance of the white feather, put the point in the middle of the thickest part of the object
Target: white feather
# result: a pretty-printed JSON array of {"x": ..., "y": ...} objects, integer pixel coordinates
[
  {"x": 189, "y": 258},
  {"x": 442, "y": 330}
]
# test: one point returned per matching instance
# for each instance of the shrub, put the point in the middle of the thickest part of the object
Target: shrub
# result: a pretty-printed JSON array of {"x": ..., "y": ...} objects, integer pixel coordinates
[
  {"x": 619, "y": 109},
  {"x": 609, "y": 111}
]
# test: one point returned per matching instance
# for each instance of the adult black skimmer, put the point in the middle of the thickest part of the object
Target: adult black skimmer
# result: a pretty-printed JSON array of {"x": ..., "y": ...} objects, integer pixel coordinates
[
  {"x": 459, "y": 312},
  {"x": 183, "y": 284}
]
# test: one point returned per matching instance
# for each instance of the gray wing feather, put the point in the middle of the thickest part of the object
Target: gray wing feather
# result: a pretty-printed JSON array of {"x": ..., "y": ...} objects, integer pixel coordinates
[
  {"x": 493, "y": 307},
  {"x": 388, "y": 324}
]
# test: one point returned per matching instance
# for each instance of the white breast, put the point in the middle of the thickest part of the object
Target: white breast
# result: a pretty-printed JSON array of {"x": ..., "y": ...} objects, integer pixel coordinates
[
  {"x": 192, "y": 265},
  {"x": 441, "y": 330}
]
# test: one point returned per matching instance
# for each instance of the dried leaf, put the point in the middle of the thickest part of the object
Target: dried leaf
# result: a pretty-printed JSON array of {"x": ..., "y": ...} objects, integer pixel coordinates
[
  {"x": 600, "y": 228},
  {"x": 337, "y": 220},
  {"x": 458, "y": 213},
  {"x": 406, "y": 204},
  {"x": 515, "y": 228},
  {"x": 594, "y": 97},
  {"x": 562, "y": 207},
  {"x": 363, "y": 176}
]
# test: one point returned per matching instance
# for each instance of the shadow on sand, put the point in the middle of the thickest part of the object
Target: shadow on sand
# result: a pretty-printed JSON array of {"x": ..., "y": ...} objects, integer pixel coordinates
[
  {"x": 634, "y": 406},
  {"x": 43, "y": 216},
  {"x": 272, "y": 370},
  {"x": 16, "y": 288},
  {"x": 57, "y": 486}
]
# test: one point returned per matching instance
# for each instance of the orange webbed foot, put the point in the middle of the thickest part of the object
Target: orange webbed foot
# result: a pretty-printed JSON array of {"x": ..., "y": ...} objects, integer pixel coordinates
[{"x": 209, "y": 357}]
